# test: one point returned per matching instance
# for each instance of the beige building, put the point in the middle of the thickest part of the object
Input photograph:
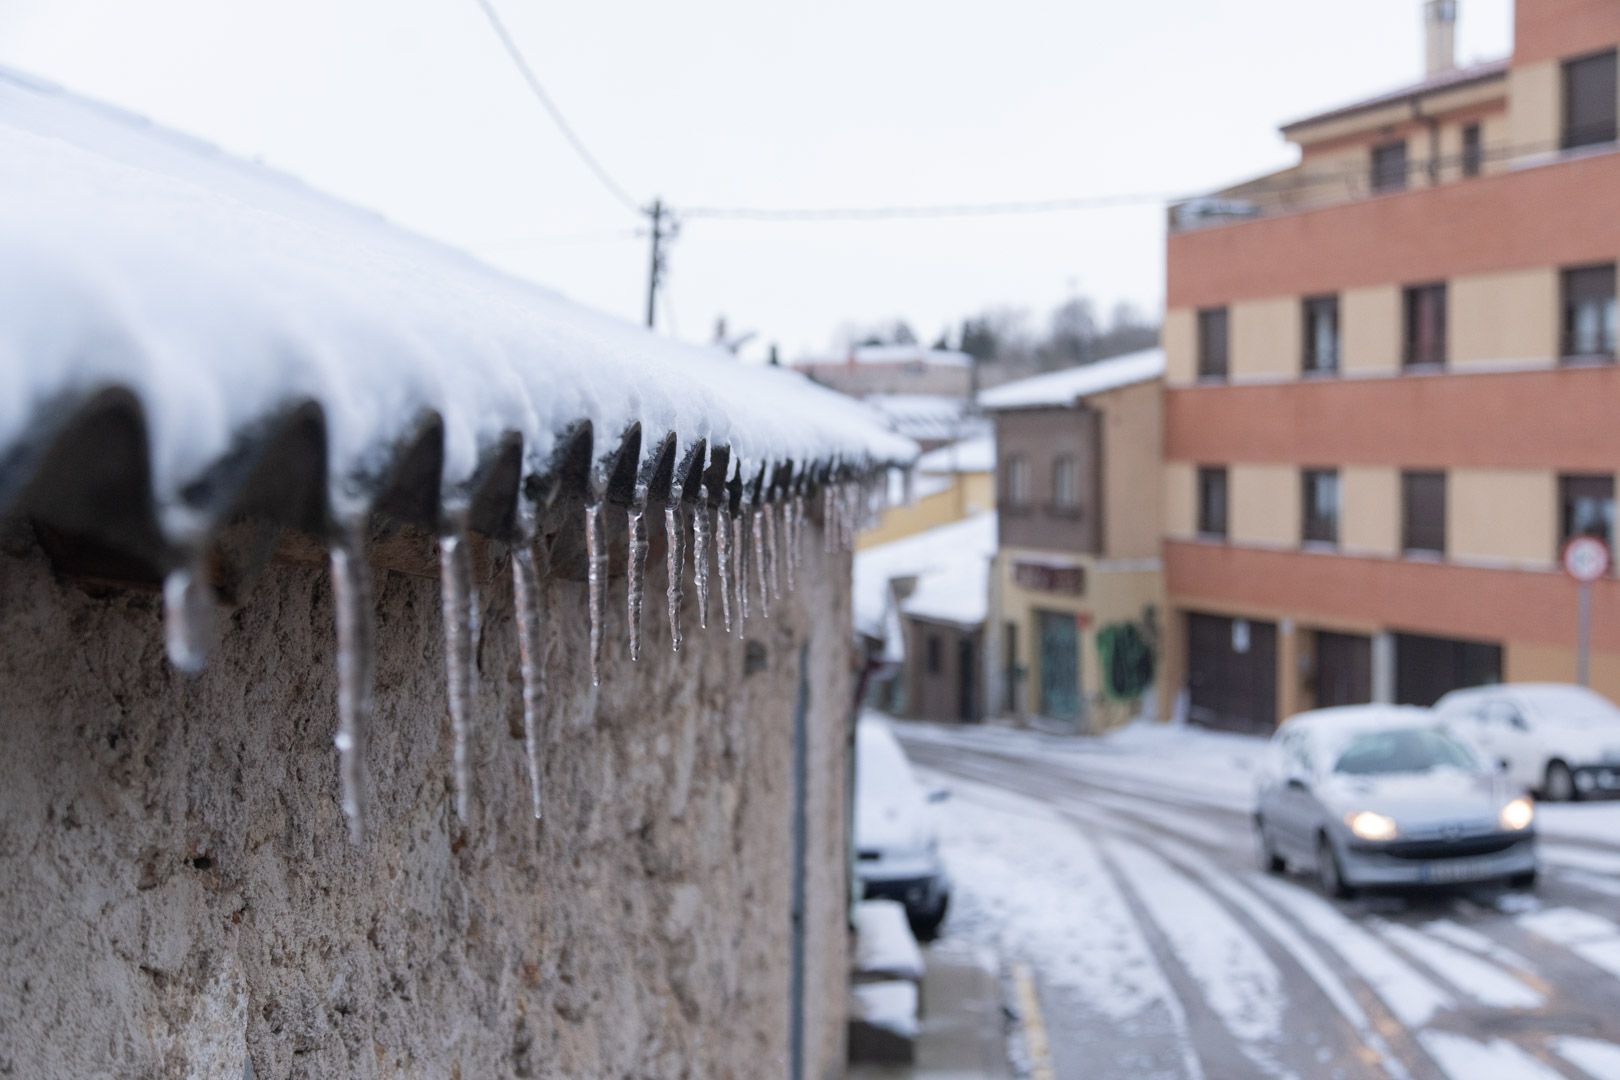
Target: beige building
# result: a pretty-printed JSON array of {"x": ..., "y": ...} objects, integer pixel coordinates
[
  {"x": 1075, "y": 592},
  {"x": 1390, "y": 385}
]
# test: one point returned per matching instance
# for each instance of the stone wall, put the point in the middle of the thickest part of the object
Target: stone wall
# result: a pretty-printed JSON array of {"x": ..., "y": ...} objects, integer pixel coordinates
[{"x": 178, "y": 895}]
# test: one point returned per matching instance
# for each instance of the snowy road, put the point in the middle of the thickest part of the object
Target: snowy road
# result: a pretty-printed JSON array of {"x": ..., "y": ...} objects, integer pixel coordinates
[{"x": 1122, "y": 872}]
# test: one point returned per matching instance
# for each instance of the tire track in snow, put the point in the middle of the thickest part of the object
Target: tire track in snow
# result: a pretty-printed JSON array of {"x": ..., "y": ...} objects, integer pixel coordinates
[
  {"x": 1478, "y": 979},
  {"x": 1263, "y": 915},
  {"x": 1412, "y": 998},
  {"x": 1591, "y": 937},
  {"x": 1592, "y": 1056},
  {"x": 1467, "y": 938},
  {"x": 1055, "y": 904},
  {"x": 1237, "y": 979},
  {"x": 1279, "y": 930},
  {"x": 1464, "y": 1059}
]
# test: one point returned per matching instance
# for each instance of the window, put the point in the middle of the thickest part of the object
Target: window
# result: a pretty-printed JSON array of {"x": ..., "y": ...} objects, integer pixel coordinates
[
  {"x": 1425, "y": 331},
  {"x": 1321, "y": 504},
  {"x": 1017, "y": 480},
  {"x": 1389, "y": 166},
  {"x": 1590, "y": 100},
  {"x": 1473, "y": 150},
  {"x": 1321, "y": 335},
  {"x": 1065, "y": 484},
  {"x": 1212, "y": 343},
  {"x": 934, "y": 652},
  {"x": 1423, "y": 512},
  {"x": 1589, "y": 314},
  {"x": 1212, "y": 502},
  {"x": 1586, "y": 507}
]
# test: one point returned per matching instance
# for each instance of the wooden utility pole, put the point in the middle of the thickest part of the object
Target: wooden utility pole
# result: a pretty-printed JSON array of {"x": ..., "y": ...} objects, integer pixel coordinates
[{"x": 655, "y": 268}]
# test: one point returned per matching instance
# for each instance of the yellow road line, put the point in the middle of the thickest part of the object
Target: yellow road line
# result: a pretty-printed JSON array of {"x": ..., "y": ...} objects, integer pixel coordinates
[{"x": 1029, "y": 1009}]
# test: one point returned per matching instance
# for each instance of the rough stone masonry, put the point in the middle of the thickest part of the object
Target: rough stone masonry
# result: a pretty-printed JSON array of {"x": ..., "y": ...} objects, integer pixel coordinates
[{"x": 179, "y": 897}]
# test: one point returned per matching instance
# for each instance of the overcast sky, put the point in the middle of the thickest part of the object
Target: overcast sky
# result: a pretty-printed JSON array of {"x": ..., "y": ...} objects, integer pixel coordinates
[{"x": 411, "y": 108}]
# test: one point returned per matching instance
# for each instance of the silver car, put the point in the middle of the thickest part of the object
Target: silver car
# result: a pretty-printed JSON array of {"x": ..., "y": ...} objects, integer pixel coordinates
[{"x": 1380, "y": 795}]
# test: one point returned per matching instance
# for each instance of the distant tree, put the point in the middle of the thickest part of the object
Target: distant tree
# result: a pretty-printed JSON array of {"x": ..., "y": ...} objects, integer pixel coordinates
[{"x": 902, "y": 334}]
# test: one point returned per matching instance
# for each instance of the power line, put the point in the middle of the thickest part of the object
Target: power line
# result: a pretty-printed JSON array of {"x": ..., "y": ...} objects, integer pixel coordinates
[
  {"x": 873, "y": 213},
  {"x": 585, "y": 155},
  {"x": 560, "y": 239}
]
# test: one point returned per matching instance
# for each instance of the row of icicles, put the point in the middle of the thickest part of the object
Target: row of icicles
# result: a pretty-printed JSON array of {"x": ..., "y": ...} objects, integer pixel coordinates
[{"x": 775, "y": 529}]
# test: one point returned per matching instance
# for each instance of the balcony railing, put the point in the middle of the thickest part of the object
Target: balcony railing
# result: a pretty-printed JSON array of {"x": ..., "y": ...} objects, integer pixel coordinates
[{"x": 1300, "y": 189}]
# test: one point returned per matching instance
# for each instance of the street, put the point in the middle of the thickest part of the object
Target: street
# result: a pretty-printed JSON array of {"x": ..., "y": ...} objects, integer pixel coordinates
[{"x": 1122, "y": 873}]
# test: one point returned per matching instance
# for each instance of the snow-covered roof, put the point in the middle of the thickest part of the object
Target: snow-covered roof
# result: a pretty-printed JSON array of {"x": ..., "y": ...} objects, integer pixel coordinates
[
  {"x": 929, "y": 417},
  {"x": 1057, "y": 389},
  {"x": 890, "y": 354},
  {"x": 952, "y": 566},
  {"x": 977, "y": 454},
  {"x": 219, "y": 297}
]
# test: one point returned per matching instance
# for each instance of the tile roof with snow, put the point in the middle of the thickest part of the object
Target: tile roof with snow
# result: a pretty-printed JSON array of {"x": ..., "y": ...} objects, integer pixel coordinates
[
  {"x": 977, "y": 454},
  {"x": 890, "y": 354},
  {"x": 926, "y": 417},
  {"x": 1059, "y": 389},
  {"x": 952, "y": 566},
  {"x": 190, "y": 317}
]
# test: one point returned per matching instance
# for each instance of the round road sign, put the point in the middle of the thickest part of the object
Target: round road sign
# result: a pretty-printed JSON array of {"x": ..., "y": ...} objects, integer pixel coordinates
[{"x": 1586, "y": 558}]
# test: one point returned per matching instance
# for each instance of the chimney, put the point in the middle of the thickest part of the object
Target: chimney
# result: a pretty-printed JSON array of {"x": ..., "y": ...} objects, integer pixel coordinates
[{"x": 1439, "y": 36}]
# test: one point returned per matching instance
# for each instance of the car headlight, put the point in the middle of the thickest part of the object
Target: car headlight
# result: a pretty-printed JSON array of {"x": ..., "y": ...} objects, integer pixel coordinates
[
  {"x": 1370, "y": 826},
  {"x": 1518, "y": 814}
]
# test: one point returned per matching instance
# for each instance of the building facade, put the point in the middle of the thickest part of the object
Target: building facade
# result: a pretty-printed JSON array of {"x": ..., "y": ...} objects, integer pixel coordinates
[
  {"x": 1075, "y": 590},
  {"x": 1390, "y": 389}
]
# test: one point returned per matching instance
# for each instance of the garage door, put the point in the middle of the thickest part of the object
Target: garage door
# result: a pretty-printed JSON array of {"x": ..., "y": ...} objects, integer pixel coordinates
[
  {"x": 1231, "y": 673},
  {"x": 1427, "y": 667}
]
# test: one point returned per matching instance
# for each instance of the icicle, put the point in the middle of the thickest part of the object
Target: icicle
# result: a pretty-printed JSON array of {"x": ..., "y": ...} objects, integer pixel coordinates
[
  {"x": 723, "y": 561},
  {"x": 773, "y": 549},
  {"x": 797, "y": 557},
  {"x": 700, "y": 555},
  {"x": 790, "y": 540},
  {"x": 596, "y": 558},
  {"x": 849, "y": 517},
  {"x": 526, "y": 598},
  {"x": 356, "y": 668},
  {"x": 756, "y": 525},
  {"x": 675, "y": 561},
  {"x": 459, "y": 607},
  {"x": 829, "y": 517},
  {"x": 739, "y": 567},
  {"x": 188, "y": 616},
  {"x": 637, "y": 571}
]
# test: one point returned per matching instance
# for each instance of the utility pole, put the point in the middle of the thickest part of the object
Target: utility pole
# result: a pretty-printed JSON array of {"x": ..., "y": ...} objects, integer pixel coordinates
[{"x": 663, "y": 229}]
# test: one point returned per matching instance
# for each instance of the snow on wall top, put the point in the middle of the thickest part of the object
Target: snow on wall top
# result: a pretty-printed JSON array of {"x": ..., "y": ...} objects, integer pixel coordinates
[
  {"x": 219, "y": 292},
  {"x": 1056, "y": 389}
]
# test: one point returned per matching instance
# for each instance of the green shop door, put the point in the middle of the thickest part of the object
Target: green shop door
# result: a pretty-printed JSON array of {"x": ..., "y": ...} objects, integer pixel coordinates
[{"x": 1060, "y": 664}]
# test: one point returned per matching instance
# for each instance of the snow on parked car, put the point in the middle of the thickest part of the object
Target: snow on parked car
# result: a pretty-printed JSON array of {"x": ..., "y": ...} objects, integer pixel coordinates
[
  {"x": 1560, "y": 740},
  {"x": 895, "y": 832},
  {"x": 1378, "y": 795}
]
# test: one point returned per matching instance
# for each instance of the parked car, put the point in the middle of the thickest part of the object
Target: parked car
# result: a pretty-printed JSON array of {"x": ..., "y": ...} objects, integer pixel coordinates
[
  {"x": 896, "y": 840},
  {"x": 1379, "y": 795},
  {"x": 1558, "y": 740}
]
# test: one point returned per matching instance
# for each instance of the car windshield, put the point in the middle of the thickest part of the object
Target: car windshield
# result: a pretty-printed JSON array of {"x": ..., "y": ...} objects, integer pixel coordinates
[{"x": 1402, "y": 750}]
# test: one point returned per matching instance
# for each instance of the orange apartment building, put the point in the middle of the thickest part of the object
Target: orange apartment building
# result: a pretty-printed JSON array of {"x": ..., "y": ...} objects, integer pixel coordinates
[{"x": 1391, "y": 390}]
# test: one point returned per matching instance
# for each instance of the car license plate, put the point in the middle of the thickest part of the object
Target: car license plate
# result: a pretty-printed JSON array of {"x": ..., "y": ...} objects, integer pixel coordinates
[{"x": 1454, "y": 870}]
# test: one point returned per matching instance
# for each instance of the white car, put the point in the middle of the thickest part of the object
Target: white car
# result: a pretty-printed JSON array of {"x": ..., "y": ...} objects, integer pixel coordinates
[
  {"x": 1559, "y": 740},
  {"x": 895, "y": 835}
]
